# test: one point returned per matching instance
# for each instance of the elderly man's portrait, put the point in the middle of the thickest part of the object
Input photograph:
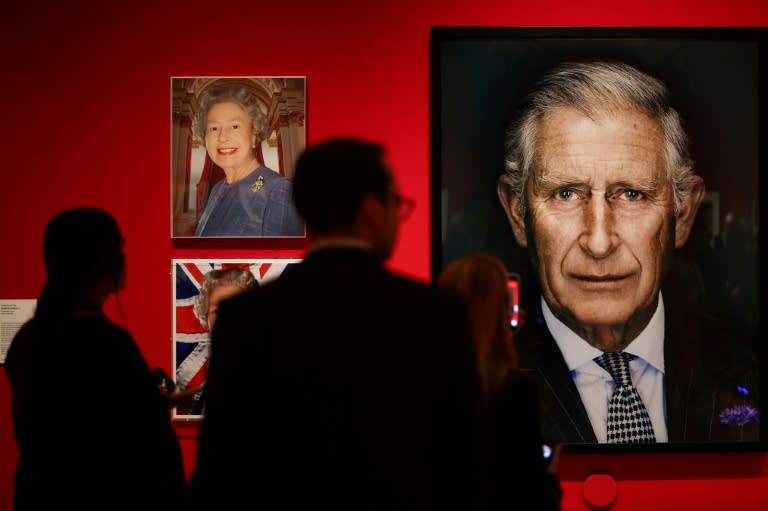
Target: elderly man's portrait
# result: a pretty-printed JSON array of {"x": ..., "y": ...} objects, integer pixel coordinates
[
  {"x": 234, "y": 145},
  {"x": 199, "y": 287},
  {"x": 618, "y": 177}
]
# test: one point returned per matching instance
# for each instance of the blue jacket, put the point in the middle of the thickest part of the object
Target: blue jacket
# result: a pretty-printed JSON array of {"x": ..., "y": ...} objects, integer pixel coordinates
[{"x": 258, "y": 205}]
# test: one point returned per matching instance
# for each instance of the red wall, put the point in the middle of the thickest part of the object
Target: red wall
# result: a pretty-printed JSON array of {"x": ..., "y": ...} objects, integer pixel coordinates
[{"x": 85, "y": 98}]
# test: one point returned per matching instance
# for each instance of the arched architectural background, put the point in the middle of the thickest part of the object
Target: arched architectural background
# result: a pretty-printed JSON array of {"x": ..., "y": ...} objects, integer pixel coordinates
[{"x": 193, "y": 174}]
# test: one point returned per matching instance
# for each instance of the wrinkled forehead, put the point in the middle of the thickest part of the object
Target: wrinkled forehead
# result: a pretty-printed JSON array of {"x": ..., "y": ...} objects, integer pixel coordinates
[
  {"x": 607, "y": 141},
  {"x": 576, "y": 120}
]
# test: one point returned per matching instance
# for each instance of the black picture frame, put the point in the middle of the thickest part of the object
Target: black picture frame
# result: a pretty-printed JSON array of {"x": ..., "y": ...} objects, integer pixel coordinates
[{"x": 478, "y": 78}]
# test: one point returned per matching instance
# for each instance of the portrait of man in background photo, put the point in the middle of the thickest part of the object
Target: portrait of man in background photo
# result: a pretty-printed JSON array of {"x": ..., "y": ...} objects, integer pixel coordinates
[{"x": 632, "y": 324}]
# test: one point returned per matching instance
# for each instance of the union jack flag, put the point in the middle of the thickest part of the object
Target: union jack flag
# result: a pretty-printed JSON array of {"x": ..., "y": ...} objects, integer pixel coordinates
[{"x": 191, "y": 343}]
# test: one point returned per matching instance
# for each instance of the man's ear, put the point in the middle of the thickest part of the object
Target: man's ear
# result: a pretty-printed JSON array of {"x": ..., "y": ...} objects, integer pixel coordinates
[
  {"x": 687, "y": 214},
  {"x": 510, "y": 201},
  {"x": 370, "y": 216}
]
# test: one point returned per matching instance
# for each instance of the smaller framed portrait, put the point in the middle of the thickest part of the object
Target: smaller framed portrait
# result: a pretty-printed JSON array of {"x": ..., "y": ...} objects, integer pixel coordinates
[
  {"x": 199, "y": 286},
  {"x": 234, "y": 146}
]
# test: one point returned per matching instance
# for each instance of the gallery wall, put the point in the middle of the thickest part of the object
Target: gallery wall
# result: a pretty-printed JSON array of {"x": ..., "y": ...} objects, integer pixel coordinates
[{"x": 86, "y": 112}]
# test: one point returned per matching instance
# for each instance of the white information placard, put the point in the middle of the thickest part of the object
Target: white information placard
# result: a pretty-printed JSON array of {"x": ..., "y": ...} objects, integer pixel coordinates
[{"x": 13, "y": 314}]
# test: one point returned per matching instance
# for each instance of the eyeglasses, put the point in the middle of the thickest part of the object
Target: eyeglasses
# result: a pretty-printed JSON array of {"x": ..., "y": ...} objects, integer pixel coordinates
[{"x": 404, "y": 206}]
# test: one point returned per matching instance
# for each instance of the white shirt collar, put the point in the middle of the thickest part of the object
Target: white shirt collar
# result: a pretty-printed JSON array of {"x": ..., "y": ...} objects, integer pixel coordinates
[{"x": 649, "y": 345}]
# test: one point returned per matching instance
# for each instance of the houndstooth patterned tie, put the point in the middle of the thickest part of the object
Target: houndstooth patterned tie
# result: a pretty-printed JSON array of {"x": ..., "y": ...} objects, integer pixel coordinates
[{"x": 628, "y": 420}]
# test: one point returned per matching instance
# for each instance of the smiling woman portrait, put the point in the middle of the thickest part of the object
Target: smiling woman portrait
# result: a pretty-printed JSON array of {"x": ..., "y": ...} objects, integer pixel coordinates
[{"x": 229, "y": 190}]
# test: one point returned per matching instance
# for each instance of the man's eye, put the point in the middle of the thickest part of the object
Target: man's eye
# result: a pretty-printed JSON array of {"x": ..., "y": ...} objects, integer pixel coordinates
[
  {"x": 212, "y": 129},
  {"x": 566, "y": 194},
  {"x": 633, "y": 195},
  {"x": 235, "y": 126}
]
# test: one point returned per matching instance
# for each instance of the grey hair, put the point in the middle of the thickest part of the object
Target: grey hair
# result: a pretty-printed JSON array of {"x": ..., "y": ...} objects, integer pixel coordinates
[
  {"x": 592, "y": 88},
  {"x": 215, "y": 278},
  {"x": 229, "y": 93}
]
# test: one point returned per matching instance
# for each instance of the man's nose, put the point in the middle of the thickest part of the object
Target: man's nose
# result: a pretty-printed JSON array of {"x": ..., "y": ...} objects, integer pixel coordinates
[{"x": 599, "y": 236}]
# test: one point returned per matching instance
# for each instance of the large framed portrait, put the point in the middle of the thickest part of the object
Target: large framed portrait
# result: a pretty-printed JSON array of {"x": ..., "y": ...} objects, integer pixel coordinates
[
  {"x": 572, "y": 154},
  {"x": 234, "y": 146},
  {"x": 199, "y": 285}
]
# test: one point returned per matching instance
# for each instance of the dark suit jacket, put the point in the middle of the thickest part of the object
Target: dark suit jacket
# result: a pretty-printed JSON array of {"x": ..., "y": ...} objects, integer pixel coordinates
[
  {"x": 518, "y": 470},
  {"x": 342, "y": 386},
  {"x": 706, "y": 360}
]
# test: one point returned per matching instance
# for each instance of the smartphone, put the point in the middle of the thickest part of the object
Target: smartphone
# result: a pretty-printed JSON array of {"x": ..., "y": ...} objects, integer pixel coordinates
[{"x": 513, "y": 285}]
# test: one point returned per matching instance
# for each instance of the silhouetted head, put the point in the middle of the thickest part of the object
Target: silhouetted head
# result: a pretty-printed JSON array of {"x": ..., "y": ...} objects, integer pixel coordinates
[
  {"x": 344, "y": 187},
  {"x": 83, "y": 245}
]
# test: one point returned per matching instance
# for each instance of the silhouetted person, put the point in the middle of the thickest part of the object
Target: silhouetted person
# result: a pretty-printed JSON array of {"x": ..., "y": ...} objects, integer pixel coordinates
[
  {"x": 361, "y": 384},
  {"x": 92, "y": 428},
  {"x": 518, "y": 471}
]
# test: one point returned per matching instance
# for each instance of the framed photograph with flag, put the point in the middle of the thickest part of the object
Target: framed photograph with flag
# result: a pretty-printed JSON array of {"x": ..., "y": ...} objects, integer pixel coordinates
[{"x": 199, "y": 285}]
